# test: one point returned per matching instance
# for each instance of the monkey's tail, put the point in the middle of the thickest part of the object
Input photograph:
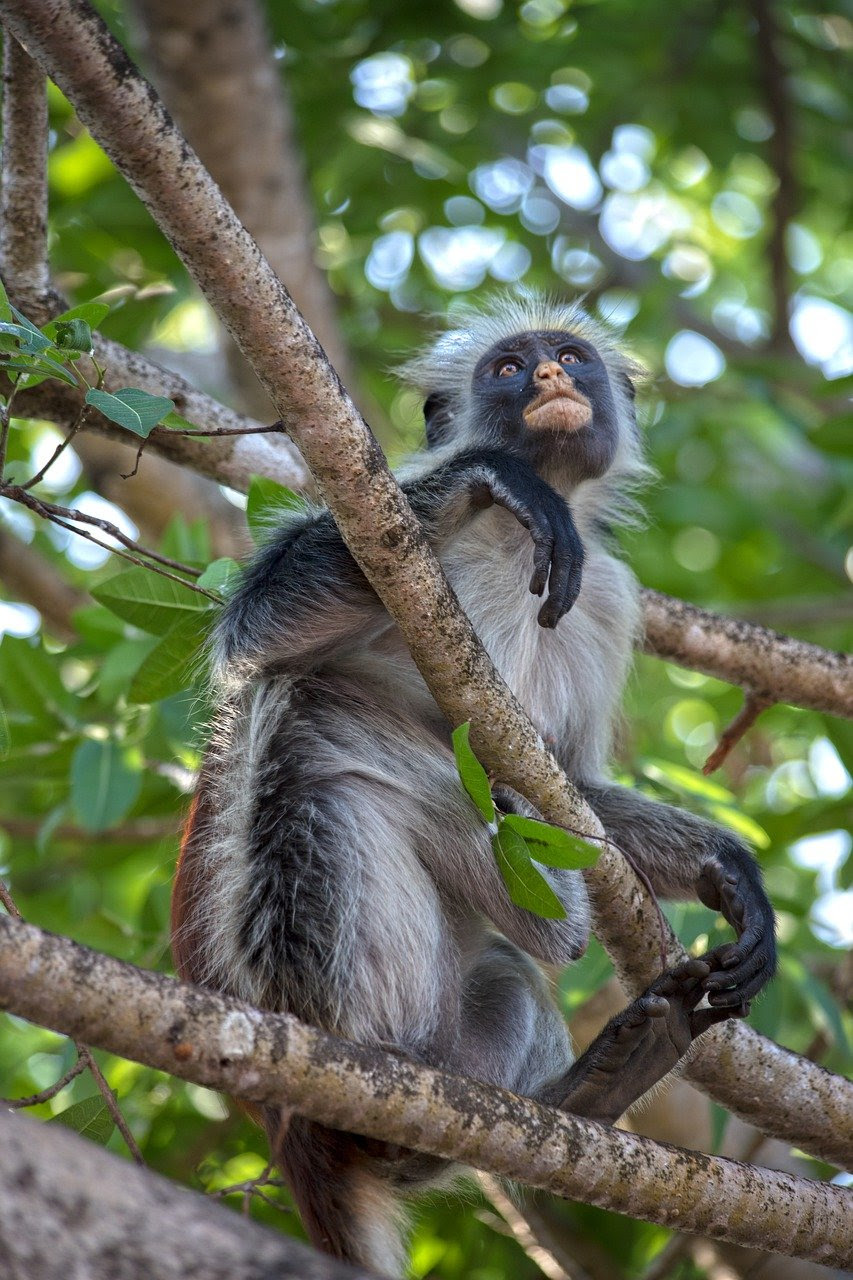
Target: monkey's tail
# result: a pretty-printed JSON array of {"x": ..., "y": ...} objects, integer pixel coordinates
[{"x": 346, "y": 1209}]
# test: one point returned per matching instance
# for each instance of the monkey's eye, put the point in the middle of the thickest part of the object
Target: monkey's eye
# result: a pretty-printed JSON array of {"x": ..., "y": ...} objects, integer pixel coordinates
[
  {"x": 507, "y": 369},
  {"x": 570, "y": 356}
]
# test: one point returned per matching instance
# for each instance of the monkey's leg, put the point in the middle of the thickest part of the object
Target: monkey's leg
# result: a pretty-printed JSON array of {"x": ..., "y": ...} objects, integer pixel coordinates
[
  {"x": 638, "y": 1047},
  {"x": 687, "y": 857}
]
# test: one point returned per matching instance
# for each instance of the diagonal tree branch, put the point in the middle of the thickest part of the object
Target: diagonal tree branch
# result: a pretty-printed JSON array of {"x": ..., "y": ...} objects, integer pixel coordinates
[
  {"x": 381, "y": 530},
  {"x": 130, "y": 1222},
  {"x": 274, "y": 1058}
]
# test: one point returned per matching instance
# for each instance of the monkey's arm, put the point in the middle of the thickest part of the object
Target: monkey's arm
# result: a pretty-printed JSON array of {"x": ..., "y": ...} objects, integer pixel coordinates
[
  {"x": 304, "y": 597},
  {"x": 687, "y": 857}
]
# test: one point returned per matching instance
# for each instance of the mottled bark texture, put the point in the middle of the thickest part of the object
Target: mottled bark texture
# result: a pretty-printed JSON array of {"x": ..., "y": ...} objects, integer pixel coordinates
[
  {"x": 124, "y": 115},
  {"x": 23, "y": 195},
  {"x": 766, "y": 663},
  {"x": 264, "y": 1057},
  {"x": 70, "y": 1209}
]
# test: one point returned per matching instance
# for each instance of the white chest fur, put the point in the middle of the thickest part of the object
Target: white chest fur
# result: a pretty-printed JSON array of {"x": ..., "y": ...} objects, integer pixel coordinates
[{"x": 568, "y": 679}]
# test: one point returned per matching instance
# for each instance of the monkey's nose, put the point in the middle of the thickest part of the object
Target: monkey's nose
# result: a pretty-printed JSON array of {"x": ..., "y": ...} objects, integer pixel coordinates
[{"x": 549, "y": 369}]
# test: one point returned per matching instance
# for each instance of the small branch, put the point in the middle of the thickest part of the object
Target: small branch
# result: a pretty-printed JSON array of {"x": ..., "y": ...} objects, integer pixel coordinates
[
  {"x": 98, "y": 1215},
  {"x": 36, "y": 1099},
  {"x": 523, "y": 1233},
  {"x": 143, "y": 556},
  {"x": 206, "y": 433},
  {"x": 669, "y": 1257},
  {"x": 275, "y": 1059},
  {"x": 139, "y": 831},
  {"x": 60, "y": 448},
  {"x": 753, "y": 705},
  {"x": 9, "y": 902},
  {"x": 109, "y": 1098},
  {"x": 23, "y": 184}
]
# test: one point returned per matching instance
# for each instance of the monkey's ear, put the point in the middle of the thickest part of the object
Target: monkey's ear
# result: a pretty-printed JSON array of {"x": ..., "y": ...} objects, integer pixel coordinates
[{"x": 438, "y": 418}]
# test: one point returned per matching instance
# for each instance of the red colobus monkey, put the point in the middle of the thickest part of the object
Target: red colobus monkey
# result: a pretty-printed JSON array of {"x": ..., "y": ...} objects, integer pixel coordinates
[{"x": 333, "y": 866}]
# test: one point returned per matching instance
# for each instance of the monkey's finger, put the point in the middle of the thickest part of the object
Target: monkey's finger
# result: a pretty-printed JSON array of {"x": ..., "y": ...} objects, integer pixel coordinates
[
  {"x": 702, "y": 1019},
  {"x": 744, "y": 982},
  {"x": 543, "y": 550},
  {"x": 564, "y": 586}
]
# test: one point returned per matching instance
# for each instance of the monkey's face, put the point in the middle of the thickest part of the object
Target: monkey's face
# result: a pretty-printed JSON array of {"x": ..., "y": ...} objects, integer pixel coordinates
[{"x": 549, "y": 394}]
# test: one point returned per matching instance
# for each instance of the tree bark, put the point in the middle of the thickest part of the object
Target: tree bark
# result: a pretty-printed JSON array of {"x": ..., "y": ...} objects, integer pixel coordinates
[
  {"x": 71, "y": 1209},
  {"x": 273, "y": 1058}
]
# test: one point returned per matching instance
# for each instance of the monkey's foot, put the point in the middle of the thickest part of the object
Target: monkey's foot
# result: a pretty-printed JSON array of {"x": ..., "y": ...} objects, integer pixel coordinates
[{"x": 639, "y": 1046}]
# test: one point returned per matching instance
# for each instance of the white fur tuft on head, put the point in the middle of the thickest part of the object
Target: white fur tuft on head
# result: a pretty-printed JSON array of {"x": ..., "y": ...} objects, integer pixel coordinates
[{"x": 447, "y": 364}]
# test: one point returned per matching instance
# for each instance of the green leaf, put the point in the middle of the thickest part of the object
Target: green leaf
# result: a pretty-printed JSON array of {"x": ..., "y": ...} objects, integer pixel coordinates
[
  {"x": 526, "y": 885},
  {"x": 5, "y": 740},
  {"x": 135, "y": 410},
  {"x": 176, "y": 661},
  {"x": 267, "y": 502},
  {"x": 91, "y": 313},
  {"x": 552, "y": 845},
  {"x": 103, "y": 786},
  {"x": 220, "y": 575},
  {"x": 73, "y": 335},
  {"x": 31, "y": 340},
  {"x": 474, "y": 778},
  {"x": 5, "y": 308},
  {"x": 39, "y": 368},
  {"x": 30, "y": 680},
  {"x": 90, "y": 1118},
  {"x": 148, "y": 600}
]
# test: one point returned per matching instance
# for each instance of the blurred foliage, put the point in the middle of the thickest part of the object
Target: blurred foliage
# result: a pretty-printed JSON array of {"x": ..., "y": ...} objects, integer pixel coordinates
[{"x": 577, "y": 147}]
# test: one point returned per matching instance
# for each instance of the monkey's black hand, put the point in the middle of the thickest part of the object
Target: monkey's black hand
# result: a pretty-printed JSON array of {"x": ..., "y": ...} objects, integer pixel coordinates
[
  {"x": 732, "y": 886},
  {"x": 558, "y": 552}
]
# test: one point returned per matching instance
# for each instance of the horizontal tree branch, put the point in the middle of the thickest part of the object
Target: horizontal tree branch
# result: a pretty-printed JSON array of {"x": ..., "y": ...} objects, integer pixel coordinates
[
  {"x": 69, "y": 1208},
  {"x": 274, "y": 1058},
  {"x": 123, "y": 114},
  {"x": 768, "y": 664},
  {"x": 229, "y": 460}
]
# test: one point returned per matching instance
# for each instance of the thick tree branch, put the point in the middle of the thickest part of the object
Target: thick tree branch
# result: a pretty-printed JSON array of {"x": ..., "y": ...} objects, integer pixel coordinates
[
  {"x": 771, "y": 665},
  {"x": 23, "y": 188},
  {"x": 229, "y": 460},
  {"x": 379, "y": 526},
  {"x": 70, "y": 1208},
  {"x": 269, "y": 1058}
]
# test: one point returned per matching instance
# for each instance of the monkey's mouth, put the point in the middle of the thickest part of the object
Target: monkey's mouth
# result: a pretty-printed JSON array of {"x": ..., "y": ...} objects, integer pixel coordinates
[{"x": 558, "y": 407}]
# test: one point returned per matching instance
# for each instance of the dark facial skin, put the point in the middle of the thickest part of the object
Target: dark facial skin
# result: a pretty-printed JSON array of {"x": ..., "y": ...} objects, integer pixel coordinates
[{"x": 549, "y": 395}]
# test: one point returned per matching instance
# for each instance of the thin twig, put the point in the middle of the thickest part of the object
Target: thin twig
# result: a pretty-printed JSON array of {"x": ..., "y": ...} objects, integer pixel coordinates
[
  {"x": 206, "y": 432},
  {"x": 753, "y": 705},
  {"x": 78, "y": 422},
  {"x": 523, "y": 1233},
  {"x": 144, "y": 557},
  {"x": 110, "y": 1099},
  {"x": 9, "y": 902},
  {"x": 5, "y": 422},
  {"x": 35, "y": 1099},
  {"x": 675, "y": 1249},
  {"x": 254, "y": 1187}
]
